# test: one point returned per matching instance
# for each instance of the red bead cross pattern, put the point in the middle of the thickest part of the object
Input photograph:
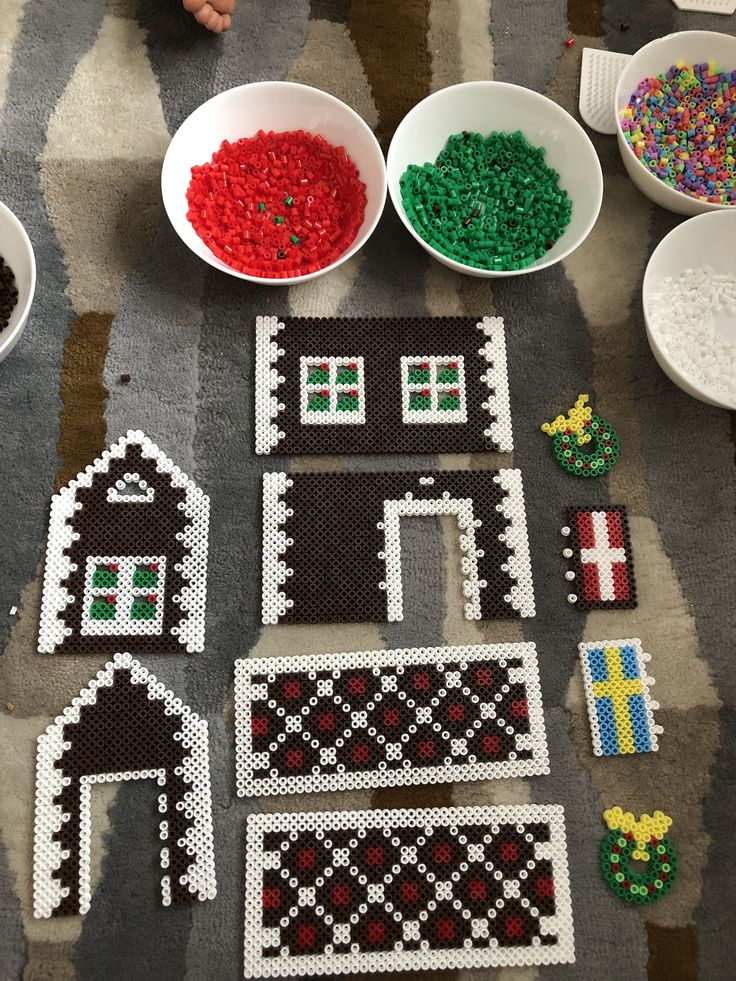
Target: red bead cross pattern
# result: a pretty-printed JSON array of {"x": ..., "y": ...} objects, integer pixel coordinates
[{"x": 277, "y": 205}]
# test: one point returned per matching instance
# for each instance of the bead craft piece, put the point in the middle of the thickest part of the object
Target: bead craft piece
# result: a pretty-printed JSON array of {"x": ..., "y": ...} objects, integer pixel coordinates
[
  {"x": 387, "y": 718},
  {"x": 355, "y": 891},
  {"x": 645, "y": 840},
  {"x": 388, "y": 385},
  {"x": 600, "y": 552},
  {"x": 126, "y": 559},
  {"x": 489, "y": 202},
  {"x": 124, "y": 726},
  {"x": 584, "y": 444},
  {"x": 620, "y": 709},
  {"x": 332, "y": 542},
  {"x": 8, "y": 294}
]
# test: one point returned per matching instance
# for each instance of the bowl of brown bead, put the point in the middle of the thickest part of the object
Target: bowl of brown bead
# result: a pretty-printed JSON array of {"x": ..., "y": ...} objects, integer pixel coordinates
[{"x": 17, "y": 279}]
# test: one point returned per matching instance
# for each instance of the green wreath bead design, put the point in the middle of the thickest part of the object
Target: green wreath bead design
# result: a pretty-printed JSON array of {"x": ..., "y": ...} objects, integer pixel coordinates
[
  {"x": 582, "y": 461},
  {"x": 584, "y": 444},
  {"x": 638, "y": 887}
]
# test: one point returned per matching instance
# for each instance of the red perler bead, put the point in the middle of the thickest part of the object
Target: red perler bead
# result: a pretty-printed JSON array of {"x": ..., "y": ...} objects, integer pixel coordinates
[{"x": 236, "y": 198}]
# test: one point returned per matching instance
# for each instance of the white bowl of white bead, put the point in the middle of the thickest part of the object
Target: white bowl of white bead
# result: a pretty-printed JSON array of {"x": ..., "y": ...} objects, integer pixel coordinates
[{"x": 689, "y": 299}]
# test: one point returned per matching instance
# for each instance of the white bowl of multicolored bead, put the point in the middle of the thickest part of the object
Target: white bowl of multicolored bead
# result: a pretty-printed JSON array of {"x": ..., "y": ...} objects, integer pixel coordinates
[
  {"x": 655, "y": 58},
  {"x": 498, "y": 107},
  {"x": 689, "y": 298}
]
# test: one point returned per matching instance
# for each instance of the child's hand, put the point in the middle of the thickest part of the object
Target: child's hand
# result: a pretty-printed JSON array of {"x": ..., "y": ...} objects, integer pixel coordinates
[{"x": 213, "y": 14}]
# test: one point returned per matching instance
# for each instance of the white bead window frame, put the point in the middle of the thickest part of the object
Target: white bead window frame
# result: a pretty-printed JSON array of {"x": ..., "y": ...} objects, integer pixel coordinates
[
  {"x": 126, "y": 594},
  {"x": 434, "y": 414},
  {"x": 332, "y": 416}
]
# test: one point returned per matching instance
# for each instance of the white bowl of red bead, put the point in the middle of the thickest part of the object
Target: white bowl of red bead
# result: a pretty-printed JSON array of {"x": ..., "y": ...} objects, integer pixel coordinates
[
  {"x": 274, "y": 182},
  {"x": 665, "y": 178},
  {"x": 545, "y": 142}
]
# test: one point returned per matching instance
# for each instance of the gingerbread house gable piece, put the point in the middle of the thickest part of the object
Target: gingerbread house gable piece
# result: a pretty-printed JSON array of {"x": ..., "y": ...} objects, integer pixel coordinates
[
  {"x": 124, "y": 726},
  {"x": 129, "y": 531}
]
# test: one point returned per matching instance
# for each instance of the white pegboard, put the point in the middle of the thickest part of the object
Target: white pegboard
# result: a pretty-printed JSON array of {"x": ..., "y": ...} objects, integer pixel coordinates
[
  {"x": 599, "y": 74},
  {"x": 707, "y": 6}
]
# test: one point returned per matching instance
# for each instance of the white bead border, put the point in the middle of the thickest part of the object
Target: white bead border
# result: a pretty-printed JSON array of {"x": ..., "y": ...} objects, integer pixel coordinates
[
  {"x": 249, "y": 785},
  {"x": 125, "y": 627},
  {"x": 521, "y": 594},
  {"x": 47, "y": 856},
  {"x": 561, "y": 924},
  {"x": 434, "y": 416},
  {"x": 191, "y": 598},
  {"x": 332, "y": 417},
  {"x": 642, "y": 660},
  {"x": 497, "y": 379},
  {"x": 267, "y": 380}
]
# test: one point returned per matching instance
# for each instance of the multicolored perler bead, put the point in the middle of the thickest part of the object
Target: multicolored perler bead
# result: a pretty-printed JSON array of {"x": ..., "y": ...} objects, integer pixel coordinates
[
  {"x": 644, "y": 840},
  {"x": 571, "y": 434}
]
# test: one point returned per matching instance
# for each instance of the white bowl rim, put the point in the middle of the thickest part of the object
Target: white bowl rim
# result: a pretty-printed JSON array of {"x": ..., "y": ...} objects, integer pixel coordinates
[
  {"x": 7, "y": 343},
  {"x": 354, "y": 246},
  {"x": 492, "y": 273},
  {"x": 711, "y": 395},
  {"x": 708, "y": 206}
]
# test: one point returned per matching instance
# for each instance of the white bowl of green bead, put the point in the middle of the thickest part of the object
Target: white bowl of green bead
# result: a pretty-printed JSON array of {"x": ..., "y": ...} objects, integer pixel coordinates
[
  {"x": 689, "y": 300},
  {"x": 656, "y": 58},
  {"x": 568, "y": 170}
]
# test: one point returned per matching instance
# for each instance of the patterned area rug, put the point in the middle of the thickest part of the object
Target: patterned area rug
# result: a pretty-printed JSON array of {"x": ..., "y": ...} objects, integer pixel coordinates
[{"x": 89, "y": 95}]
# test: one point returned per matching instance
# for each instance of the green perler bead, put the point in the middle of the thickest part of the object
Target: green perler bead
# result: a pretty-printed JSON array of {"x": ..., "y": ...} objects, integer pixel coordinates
[
  {"x": 142, "y": 610},
  {"x": 447, "y": 375},
  {"x": 104, "y": 578},
  {"x": 449, "y": 402},
  {"x": 102, "y": 610},
  {"x": 318, "y": 376},
  {"x": 318, "y": 403},
  {"x": 144, "y": 579},
  {"x": 487, "y": 202},
  {"x": 632, "y": 886},
  {"x": 420, "y": 402},
  {"x": 347, "y": 403},
  {"x": 418, "y": 376},
  {"x": 600, "y": 458},
  {"x": 347, "y": 376}
]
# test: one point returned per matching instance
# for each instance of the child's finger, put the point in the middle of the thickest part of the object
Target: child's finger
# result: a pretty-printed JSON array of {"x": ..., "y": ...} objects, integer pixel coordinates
[
  {"x": 224, "y": 6},
  {"x": 211, "y": 19}
]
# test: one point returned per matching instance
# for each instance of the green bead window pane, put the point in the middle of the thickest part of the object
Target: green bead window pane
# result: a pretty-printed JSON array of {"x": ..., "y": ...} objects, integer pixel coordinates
[
  {"x": 347, "y": 376},
  {"x": 142, "y": 609},
  {"x": 419, "y": 376},
  {"x": 319, "y": 403},
  {"x": 104, "y": 578},
  {"x": 144, "y": 578},
  {"x": 318, "y": 376},
  {"x": 347, "y": 403},
  {"x": 447, "y": 376},
  {"x": 102, "y": 610},
  {"x": 420, "y": 401},
  {"x": 447, "y": 402}
]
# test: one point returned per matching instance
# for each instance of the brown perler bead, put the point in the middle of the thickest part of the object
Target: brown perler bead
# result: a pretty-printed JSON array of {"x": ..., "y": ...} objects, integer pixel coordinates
[
  {"x": 123, "y": 726},
  {"x": 390, "y": 385},
  {"x": 126, "y": 560},
  {"x": 332, "y": 547},
  {"x": 125, "y": 378},
  {"x": 8, "y": 294}
]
